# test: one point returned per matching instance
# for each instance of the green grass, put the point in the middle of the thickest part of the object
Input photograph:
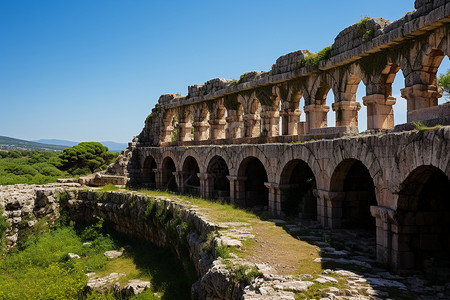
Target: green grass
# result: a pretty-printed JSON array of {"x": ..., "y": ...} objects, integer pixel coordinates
[
  {"x": 40, "y": 267},
  {"x": 422, "y": 127}
]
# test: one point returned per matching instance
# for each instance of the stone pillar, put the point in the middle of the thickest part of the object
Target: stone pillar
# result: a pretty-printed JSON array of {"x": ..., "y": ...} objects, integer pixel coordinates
[
  {"x": 270, "y": 122},
  {"x": 166, "y": 132},
  {"x": 206, "y": 185},
  {"x": 217, "y": 129},
  {"x": 329, "y": 208},
  {"x": 274, "y": 198},
  {"x": 316, "y": 116},
  {"x": 184, "y": 132},
  {"x": 234, "y": 128},
  {"x": 252, "y": 125},
  {"x": 200, "y": 130},
  {"x": 158, "y": 178},
  {"x": 380, "y": 114},
  {"x": 293, "y": 119},
  {"x": 179, "y": 180},
  {"x": 387, "y": 240},
  {"x": 346, "y": 113},
  {"x": 421, "y": 96},
  {"x": 237, "y": 190}
]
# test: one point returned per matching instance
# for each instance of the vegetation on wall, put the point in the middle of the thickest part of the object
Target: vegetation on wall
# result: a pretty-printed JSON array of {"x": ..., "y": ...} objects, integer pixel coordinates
[
  {"x": 367, "y": 33},
  {"x": 313, "y": 59}
]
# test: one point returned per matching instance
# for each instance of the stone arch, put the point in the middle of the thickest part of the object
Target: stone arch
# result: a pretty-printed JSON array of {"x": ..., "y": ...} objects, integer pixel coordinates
[
  {"x": 423, "y": 217},
  {"x": 168, "y": 168},
  {"x": 218, "y": 169},
  {"x": 297, "y": 185},
  {"x": 189, "y": 178},
  {"x": 431, "y": 150},
  {"x": 195, "y": 154},
  {"x": 253, "y": 176},
  {"x": 148, "y": 175},
  {"x": 355, "y": 150},
  {"x": 254, "y": 151},
  {"x": 352, "y": 192},
  {"x": 299, "y": 152}
]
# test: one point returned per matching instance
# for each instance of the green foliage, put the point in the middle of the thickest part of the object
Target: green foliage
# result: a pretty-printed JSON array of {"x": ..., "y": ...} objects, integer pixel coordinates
[
  {"x": 245, "y": 274},
  {"x": 313, "y": 59},
  {"x": 444, "y": 81},
  {"x": 86, "y": 156},
  {"x": 222, "y": 251},
  {"x": 31, "y": 167},
  {"x": 362, "y": 26}
]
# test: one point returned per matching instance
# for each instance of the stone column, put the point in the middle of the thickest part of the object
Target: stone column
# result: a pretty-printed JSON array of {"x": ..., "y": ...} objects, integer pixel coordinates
[
  {"x": 234, "y": 128},
  {"x": 380, "y": 114},
  {"x": 274, "y": 198},
  {"x": 293, "y": 118},
  {"x": 179, "y": 180},
  {"x": 217, "y": 129},
  {"x": 237, "y": 190},
  {"x": 184, "y": 132},
  {"x": 421, "y": 96},
  {"x": 166, "y": 132},
  {"x": 387, "y": 236},
  {"x": 346, "y": 113},
  {"x": 200, "y": 130},
  {"x": 270, "y": 122},
  {"x": 206, "y": 185},
  {"x": 158, "y": 178},
  {"x": 252, "y": 125},
  {"x": 329, "y": 208},
  {"x": 316, "y": 116}
]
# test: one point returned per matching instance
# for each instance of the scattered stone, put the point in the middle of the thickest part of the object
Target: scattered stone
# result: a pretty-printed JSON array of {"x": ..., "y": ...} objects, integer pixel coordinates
[
  {"x": 73, "y": 256},
  {"x": 135, "y": 287},
  {"x": 102, "y": 284},
  {"x": 113, "y": 254}
]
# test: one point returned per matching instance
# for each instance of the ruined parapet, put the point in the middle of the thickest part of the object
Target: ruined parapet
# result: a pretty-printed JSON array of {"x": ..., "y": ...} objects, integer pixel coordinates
[
  {"x": 358, "y": 34},
  {"x": 289, "y": 62},
  {"x": 208, "y": 87}
]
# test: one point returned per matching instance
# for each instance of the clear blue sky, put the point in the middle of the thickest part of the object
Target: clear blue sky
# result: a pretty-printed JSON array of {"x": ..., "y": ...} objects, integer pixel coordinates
[{"x": 93, "y": 70}]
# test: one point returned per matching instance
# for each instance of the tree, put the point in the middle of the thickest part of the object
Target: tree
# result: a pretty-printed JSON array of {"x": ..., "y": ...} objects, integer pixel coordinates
[
  {"x": 85, "y": 156},
  {"x": 444, "y": 81}
]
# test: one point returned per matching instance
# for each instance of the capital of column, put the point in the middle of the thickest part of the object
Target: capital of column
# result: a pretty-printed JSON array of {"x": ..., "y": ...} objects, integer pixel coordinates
[
  {"x": 200, "y": 124},
  {"x": 252, "y": 117},
  {"x": 237, "y": 178},
  {"x": 385, "y": 214},
  {"x": 316, "y": 108},
  {"x": 217, "y": 122},
  {"x": 272, "y": 185},
  {"x": 378, "y": 99},
  {"x": 157, "y": 171},
  {"x": 421, "y": 91},
  {"x": 346, "y": 105},
  {"x": 205, "y": 176}
]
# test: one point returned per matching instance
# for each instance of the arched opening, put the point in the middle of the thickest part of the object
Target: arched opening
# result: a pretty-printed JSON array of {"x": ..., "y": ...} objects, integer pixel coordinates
[
  {"x": 424, "y": 219},
  {"x": 354, "y": 194},
  {"x": 148, "y": 175},
  {"x": 191, "y": 182},
  {"x": 168, "y": 178},
  {"x": 218, "y": 168},
  {"x": 325, "y": 98},
  {"x": 174, "y": 135},
  {"x": 255, "y": 193},
  {"x": 297, "y": 183},
  {"x": 444, "y": 68}
]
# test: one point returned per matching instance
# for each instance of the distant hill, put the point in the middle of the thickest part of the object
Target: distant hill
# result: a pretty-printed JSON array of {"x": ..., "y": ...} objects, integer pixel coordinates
[
  {"x": 112, "y": 146},
  {"x": 9, "y": 144}
]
